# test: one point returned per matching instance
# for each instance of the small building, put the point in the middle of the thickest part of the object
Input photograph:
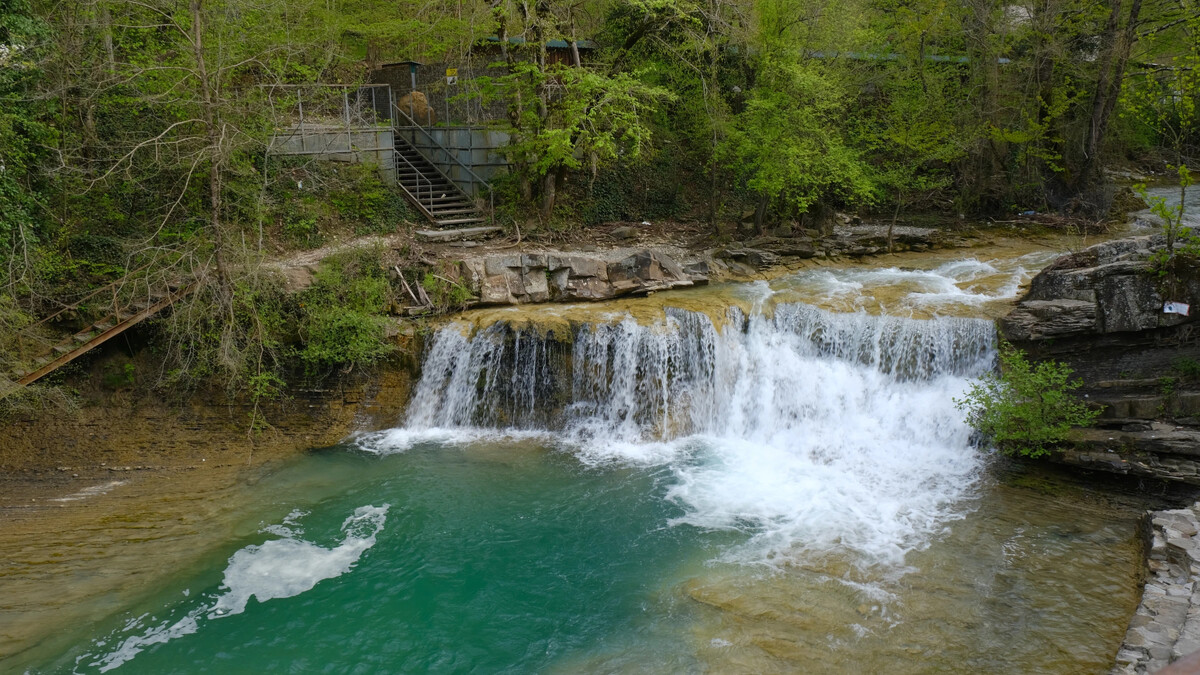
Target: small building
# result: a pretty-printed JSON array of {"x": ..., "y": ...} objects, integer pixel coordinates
[{"x": 460, "y": 103}]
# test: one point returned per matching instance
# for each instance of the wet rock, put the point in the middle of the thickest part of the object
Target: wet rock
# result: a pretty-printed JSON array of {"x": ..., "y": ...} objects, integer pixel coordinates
[
  {"x": 1105, "y": 289},
  {"x": 753, "y": 257},
  {"x": 1043, "y": 319}
]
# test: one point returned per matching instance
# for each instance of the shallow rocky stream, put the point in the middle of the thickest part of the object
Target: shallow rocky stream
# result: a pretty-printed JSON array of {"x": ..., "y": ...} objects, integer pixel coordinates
[{"x": 747, "y": 477}]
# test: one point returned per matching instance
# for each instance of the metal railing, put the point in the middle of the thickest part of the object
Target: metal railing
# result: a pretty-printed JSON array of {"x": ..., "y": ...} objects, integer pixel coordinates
[
  {"x": 416, "y": 192},
  {"x": 433, "y": 143}
]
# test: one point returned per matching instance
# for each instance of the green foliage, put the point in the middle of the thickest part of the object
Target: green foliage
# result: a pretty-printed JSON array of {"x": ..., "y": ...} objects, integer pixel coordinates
[
  {"x": 1025, "y": 408},
  {"x": 119, "y": 377},
  {"x": 228, "y": 341},
  {"x": 24, "y": 134},
  {"x": 1187, "y": 367},
  {"x": 444, "y": 293},
  {"x": 652, "y": 190},
  {"x": 312, "y": 200},
  {"x": 592, "y": 116},
  {"x": 790, "y": 143},
  {"x": 343, "y": 312},
  {"x": 302, "y": 228},
  {"x": 1180, "y": 240}
]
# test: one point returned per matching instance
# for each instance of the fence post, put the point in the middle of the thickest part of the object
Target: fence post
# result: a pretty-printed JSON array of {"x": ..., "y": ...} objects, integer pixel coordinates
[{"x": 346, "y": 111}]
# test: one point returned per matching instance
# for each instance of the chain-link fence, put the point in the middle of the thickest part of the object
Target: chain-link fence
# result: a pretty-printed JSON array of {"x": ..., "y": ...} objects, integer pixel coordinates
[
  {"x": 458, "y": 104},
  {"x": 326, "y": 106}
]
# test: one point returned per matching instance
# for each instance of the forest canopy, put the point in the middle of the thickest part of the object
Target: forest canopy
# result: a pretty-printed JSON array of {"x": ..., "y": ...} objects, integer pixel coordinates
[{"x": 133, "y": 133}]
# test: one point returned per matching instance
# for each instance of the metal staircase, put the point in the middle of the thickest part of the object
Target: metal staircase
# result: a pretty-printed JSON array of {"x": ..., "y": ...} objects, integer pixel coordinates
[{"x": 437, "y": 197}]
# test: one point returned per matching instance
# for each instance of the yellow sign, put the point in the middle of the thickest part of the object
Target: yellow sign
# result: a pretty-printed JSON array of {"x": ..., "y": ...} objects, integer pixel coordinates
[{"x": 451, "y": 72}]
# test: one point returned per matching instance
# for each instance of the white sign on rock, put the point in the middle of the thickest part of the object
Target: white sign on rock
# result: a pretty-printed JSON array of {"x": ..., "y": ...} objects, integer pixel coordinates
[{"x": 1176, "y": 308}]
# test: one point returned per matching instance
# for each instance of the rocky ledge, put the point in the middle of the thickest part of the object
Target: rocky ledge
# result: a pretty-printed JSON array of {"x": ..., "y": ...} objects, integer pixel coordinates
[
  {"x": 1100, "y": 311},
  {"x": 519, "y": 278},
  {"x": 1166, "y": 625},
  {"x": 1102, "y": 290}
]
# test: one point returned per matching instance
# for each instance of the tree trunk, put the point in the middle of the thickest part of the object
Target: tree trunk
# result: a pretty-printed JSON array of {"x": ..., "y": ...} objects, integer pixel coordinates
[
  {"x": 714, "y": 93},
  {"x": 760, "y": 213},
  {"x": 214, "y": 138},
  {"x": 549, "y": 187},
  {"x": 106, "y": 31},
  {"x": 892, "y": 225},
  {"x": 1108, "y": 87}
]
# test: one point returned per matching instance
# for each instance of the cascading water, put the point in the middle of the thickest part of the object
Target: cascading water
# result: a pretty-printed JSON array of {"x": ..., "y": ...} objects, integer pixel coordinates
[{"x": 811, "y": 430}]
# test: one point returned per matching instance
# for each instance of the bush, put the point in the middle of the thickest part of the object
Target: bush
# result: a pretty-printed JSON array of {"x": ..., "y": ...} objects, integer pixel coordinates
[
  {"x": 343, "y": 322},
  {"x": 1024, "y": 408}
]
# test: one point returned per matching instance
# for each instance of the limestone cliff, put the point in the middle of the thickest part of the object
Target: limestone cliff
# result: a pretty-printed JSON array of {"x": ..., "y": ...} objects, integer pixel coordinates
[{"x": 1100, "y": 310}]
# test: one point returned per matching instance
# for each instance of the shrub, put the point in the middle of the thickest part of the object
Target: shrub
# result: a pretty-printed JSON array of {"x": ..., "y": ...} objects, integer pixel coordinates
[
  {"x": 1024, "y": 408},
  {"x": 1187, "y": 367},
  {"x": 343, "y": 311}
]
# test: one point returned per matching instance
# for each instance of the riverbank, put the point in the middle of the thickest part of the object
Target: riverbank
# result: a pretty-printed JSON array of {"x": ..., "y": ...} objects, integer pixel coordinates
[{"x": 1166, "y": 626}]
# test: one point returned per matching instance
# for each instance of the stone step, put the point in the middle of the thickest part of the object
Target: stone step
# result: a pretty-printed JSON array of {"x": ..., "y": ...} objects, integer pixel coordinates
[
  {"x": 453, "y": 212},
  {"x": 449, "y": 200},
  {"x": 440, "y": 190},
  {"x": 460, "y": 221},
  {"x": 83, "y": 337},
  {"x": 458, "y": 234},
  {"x": 61, "y": 349}
]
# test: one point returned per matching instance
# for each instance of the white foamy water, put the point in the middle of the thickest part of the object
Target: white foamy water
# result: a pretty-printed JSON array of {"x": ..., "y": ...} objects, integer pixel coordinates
[
  {"x": 277, "y": 568},
  {"x": 810, "y": 431},
  {"x": 952, "y": 288}
]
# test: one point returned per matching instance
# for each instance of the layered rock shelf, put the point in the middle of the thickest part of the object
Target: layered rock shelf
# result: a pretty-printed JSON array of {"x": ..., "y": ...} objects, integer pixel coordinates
[
  {"x": 519, "y": 278},
  {"x": 1105, "y": 289},
  {"x": 1166, "y": 625},
  {"x": 1101, "y": 312}
]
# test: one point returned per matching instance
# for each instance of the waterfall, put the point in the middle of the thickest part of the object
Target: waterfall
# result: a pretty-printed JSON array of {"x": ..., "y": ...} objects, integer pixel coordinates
[{"x": 808, "y": 429}]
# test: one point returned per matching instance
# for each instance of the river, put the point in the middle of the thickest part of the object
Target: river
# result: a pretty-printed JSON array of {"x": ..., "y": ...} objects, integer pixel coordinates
[{"x": 753, "y": 477}]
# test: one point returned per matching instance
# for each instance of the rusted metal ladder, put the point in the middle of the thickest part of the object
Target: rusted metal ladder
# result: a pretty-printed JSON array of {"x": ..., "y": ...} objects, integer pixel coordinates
[{"x": 98, "y": 333}]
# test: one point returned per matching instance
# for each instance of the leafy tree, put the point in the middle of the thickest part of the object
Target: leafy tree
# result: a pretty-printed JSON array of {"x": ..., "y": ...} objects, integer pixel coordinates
[
  {"x": 1165, "y": 103},
  {"x": 789, "y": 143},
  {"x": 24, "y": 134},
  {"x": 915, "y": 143},
  {"x": 1025, "y": 408},
  {"x": 561, "y": 114}
]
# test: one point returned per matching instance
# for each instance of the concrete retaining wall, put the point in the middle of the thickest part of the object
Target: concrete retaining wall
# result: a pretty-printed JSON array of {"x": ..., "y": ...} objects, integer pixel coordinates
[
  {"x": 476, "y": 147},
  {"x": 352, "y": 145}
]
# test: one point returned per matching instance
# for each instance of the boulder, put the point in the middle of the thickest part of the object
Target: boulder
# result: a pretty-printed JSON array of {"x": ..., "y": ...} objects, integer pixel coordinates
[
  {"x": 753, "y": 257},
  {"x": 416, "y": 105},
  {"x": 625, "y": 233},
  {"x": 1105, "y": 289}
]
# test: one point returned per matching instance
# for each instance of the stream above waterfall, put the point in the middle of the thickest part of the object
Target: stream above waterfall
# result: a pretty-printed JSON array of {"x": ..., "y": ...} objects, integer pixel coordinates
[{"x": 768, "y": 476}]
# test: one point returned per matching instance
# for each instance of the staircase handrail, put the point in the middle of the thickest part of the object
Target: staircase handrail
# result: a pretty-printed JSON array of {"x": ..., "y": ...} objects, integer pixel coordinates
[
  {"x": 417, "y": 173},
  {"x": 413, "y": 124}
]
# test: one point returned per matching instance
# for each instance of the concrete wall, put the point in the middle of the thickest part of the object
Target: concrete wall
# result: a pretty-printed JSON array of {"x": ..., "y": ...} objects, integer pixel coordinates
[
  {"x": 353, "y": 145},
  {"x": 476, "y": 147}
]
